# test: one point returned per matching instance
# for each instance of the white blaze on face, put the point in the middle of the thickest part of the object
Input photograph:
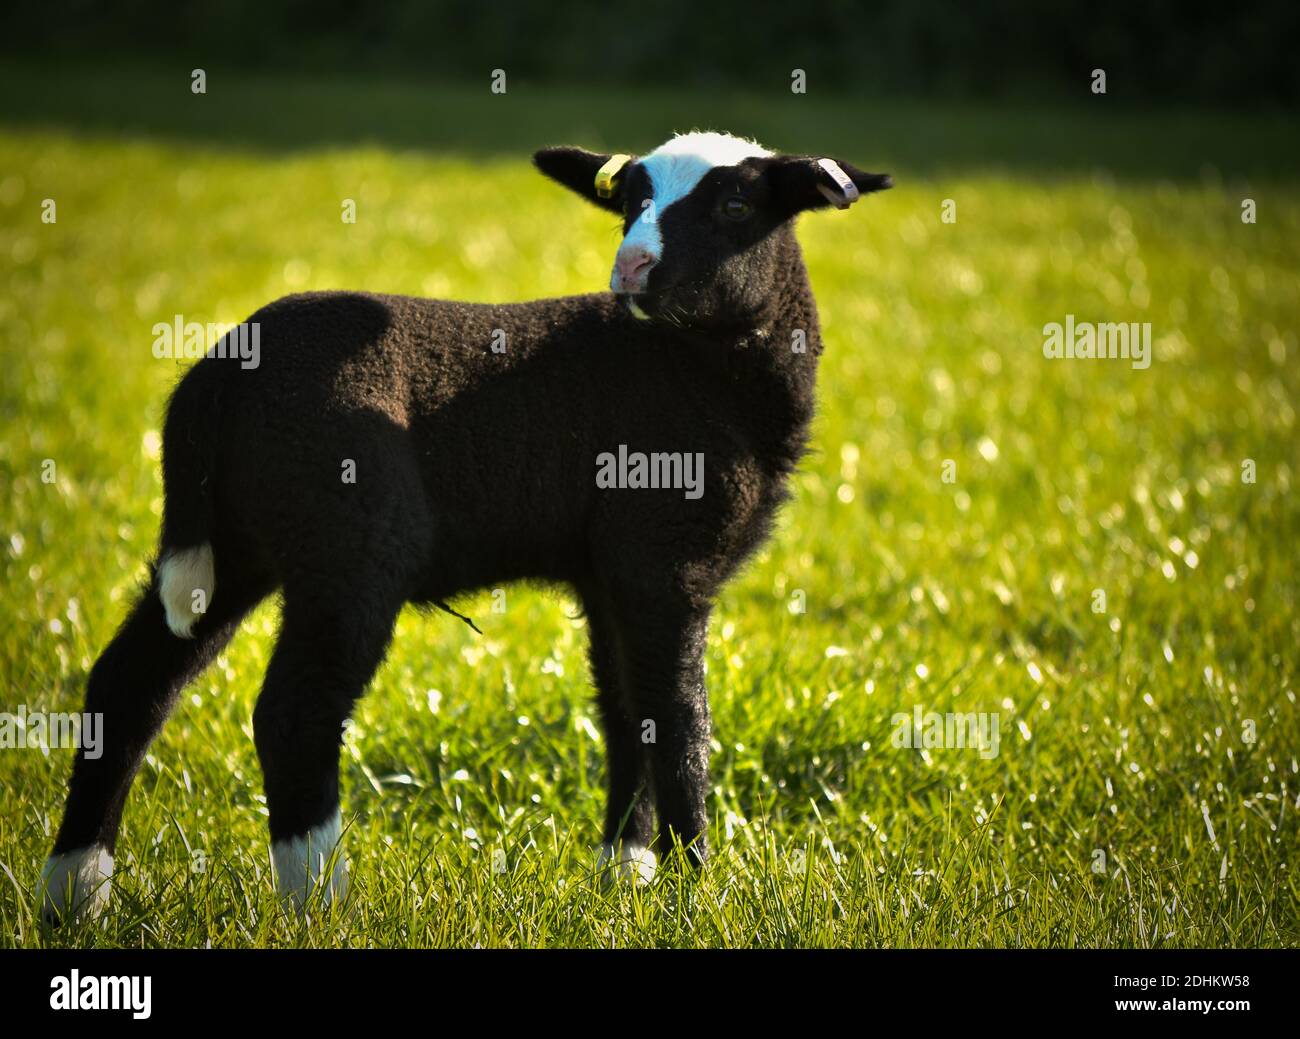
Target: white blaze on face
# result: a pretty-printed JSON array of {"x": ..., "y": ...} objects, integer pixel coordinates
[{"x": 674, "y": 169}]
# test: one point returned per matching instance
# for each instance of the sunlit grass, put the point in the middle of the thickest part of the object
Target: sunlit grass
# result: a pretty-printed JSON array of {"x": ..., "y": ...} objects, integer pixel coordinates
[{"x": 1126, "y": 805}]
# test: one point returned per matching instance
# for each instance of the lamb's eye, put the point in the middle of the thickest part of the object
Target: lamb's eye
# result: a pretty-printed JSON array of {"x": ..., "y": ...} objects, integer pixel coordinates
[{"x": 736, "y": 208}]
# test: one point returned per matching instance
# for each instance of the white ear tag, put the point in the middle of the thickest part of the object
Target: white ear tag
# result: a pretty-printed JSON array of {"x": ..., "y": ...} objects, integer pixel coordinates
[{"x": 848, "y": 193}]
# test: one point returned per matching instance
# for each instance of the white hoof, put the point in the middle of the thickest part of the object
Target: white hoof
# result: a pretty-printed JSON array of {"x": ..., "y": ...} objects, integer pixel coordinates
[
  {"x": 312, "y": 863},
  {"x": 626, "y": 862},
  {"x": 76, "y": 885}
]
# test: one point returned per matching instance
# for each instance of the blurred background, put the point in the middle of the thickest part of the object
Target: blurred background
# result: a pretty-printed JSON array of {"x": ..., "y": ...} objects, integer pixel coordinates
[{"x": 1200, "y": 51}]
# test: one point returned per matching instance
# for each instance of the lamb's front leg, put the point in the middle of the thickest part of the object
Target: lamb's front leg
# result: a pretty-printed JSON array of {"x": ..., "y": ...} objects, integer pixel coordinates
[
  {"x": 629, "y": 826},
  {"x": 664, "y": 669}
]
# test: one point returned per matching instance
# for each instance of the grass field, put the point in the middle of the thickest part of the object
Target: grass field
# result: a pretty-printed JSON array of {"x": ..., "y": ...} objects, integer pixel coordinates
[{"x": 1146, "y": 789}]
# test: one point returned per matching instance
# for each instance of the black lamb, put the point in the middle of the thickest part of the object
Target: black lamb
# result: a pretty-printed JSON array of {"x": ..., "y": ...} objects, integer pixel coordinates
[{"x": 632, "y": 444}]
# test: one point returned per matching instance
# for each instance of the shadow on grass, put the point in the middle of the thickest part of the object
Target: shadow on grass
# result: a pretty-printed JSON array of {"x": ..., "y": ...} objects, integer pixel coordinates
[{"x": 259, "y": 113}]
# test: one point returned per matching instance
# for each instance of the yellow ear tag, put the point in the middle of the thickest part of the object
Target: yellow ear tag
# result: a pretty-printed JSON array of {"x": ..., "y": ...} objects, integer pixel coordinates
[{"x": 607, "y": 174}]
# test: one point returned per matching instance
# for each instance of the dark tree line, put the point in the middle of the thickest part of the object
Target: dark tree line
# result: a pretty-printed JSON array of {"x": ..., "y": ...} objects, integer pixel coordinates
[{"x": 1155, "y": 51}]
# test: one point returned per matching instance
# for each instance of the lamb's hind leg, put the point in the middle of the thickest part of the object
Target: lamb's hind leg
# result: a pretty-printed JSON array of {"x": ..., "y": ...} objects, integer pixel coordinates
[
  {"x": 348, "y": 555},
  {"x": 132, "y": 689},
  {"x": 326, "y": 654}
]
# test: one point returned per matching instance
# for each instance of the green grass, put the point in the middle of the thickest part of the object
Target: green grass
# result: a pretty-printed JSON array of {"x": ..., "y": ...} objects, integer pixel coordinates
[{"x": 1121, "y": 732}]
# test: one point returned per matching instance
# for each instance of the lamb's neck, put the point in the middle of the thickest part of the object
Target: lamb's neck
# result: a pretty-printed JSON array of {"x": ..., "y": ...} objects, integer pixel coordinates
[
  {"x": 775, "y": 365},
  {"x": 788, "y": 339}
]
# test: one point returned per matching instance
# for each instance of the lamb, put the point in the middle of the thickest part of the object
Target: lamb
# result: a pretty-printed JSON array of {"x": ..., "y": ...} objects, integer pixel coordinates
[{"x": 471, "y": 466}]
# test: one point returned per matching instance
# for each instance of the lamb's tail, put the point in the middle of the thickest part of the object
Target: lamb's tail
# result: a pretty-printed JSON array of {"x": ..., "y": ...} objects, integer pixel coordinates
[{"x": 186, "y": 567}]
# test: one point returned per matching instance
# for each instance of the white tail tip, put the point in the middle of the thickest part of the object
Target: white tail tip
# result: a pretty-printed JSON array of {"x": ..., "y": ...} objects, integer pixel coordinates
[{"x": 186, "y": 581}]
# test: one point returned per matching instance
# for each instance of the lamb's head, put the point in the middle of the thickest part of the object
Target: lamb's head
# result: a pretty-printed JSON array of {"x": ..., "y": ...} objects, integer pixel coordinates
[{"x": 707, "y": 220}]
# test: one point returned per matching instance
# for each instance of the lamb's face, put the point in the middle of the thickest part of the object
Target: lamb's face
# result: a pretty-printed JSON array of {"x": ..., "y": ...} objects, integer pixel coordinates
[
  {"x": 698, "y": 231},
  {"x": 706, "y": 220}
]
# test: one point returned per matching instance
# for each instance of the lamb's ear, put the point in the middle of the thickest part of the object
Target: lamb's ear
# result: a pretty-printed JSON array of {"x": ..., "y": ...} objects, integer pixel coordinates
[
  {"x": 802, "y": 182},
  {"x": 596, "y": 177}
]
